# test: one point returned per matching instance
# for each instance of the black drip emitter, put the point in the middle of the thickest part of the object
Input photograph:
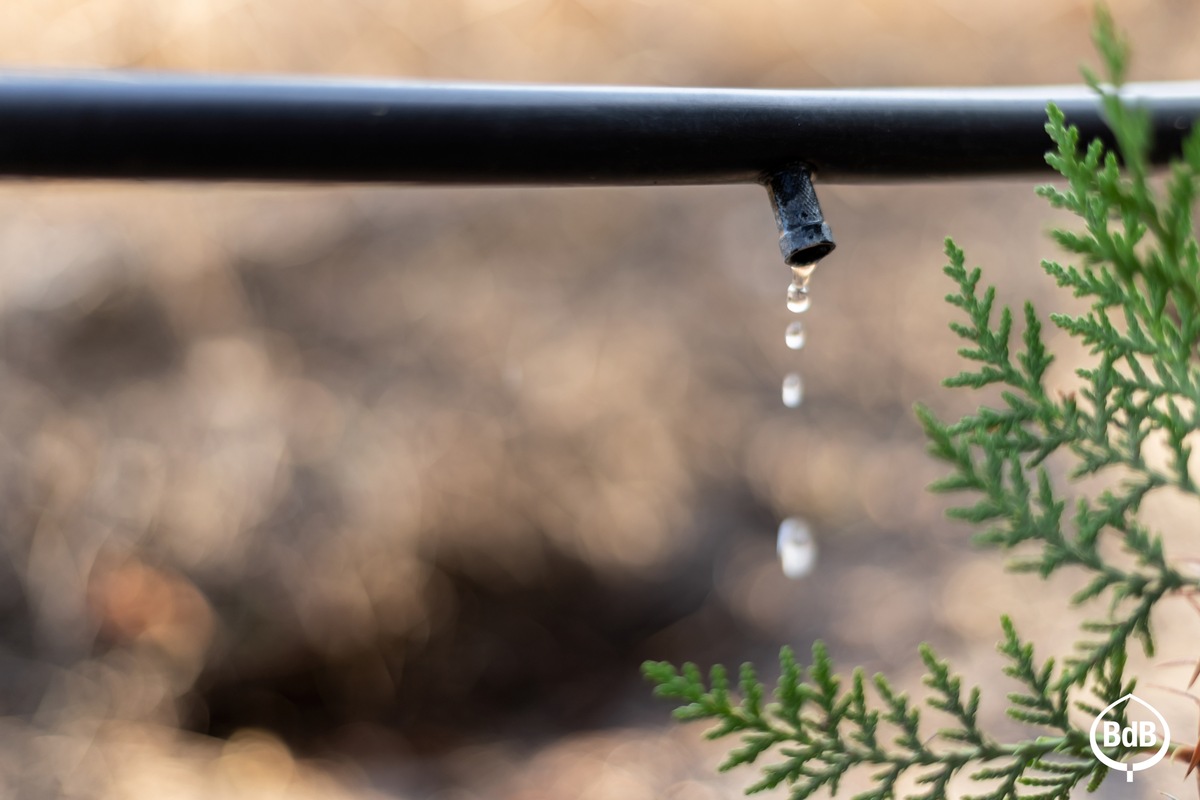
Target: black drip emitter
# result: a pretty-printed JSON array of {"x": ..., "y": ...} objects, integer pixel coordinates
[{"x": 804, "y": 238}]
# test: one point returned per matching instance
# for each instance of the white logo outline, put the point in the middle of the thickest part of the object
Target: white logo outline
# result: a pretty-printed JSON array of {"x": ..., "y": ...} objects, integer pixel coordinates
[{"x": 1130, "y": 768}]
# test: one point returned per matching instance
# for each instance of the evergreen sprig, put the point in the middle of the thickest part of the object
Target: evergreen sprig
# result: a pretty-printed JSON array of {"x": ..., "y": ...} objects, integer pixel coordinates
[
  {"x": 1139, "y": 268},
  {"x": 823, "y": 730},
  {"x": 1141, "y": 273}
]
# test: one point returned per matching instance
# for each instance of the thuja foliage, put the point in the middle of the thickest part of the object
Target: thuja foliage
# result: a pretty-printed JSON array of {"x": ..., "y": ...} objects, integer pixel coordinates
[{"x": 1138, "y": 267}]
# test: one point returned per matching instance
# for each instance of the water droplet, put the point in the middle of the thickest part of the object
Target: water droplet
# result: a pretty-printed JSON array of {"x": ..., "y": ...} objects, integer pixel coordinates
[
  {"x": 794, "y": 336},
  {"x": 793, "y": 390},
  {"x": 803, "y": 272},
  {"x": 796, "y": 547},
  {"x": 798, "y": 300}
]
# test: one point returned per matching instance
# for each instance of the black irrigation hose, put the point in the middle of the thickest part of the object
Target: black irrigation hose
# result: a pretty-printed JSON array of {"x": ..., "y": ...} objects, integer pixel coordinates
[{"x": 142, "y": 126}]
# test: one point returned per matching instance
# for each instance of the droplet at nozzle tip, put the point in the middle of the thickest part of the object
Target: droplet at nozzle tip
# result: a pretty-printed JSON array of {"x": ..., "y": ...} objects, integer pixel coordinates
[{"x": 804, "y": 237}]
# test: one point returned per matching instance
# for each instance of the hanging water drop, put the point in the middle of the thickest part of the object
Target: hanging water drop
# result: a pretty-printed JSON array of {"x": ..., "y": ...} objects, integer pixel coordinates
[
  {"x": 795, "y": 335},
  {"x": 798, "y": 300},
  {"x": 796, "y": 547},
  {"x": 801, "y": 273},
  {"x": 793, "y": 390}
]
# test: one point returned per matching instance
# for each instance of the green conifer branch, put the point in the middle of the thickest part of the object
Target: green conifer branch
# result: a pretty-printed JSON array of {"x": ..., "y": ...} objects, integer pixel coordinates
[
  {"x": 824, "y": 731},
  {"x": 1139, "y": 268}
]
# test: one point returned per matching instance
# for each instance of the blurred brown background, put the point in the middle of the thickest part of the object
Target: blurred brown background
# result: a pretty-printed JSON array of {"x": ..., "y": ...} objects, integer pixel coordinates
[{"x": 346, "y": 492}]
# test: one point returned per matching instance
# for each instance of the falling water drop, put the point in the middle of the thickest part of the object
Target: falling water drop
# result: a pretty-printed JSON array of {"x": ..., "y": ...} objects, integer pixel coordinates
[
  {"x": 796, "y": 547},
  {"x": 798, "y": 300},
  {"x": 793, "y": 390},
  {"x": 795, "y": 335}
]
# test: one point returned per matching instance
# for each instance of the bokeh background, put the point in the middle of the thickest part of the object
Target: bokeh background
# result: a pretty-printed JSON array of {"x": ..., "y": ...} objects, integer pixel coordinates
[{"x": 386, "y": 492}]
